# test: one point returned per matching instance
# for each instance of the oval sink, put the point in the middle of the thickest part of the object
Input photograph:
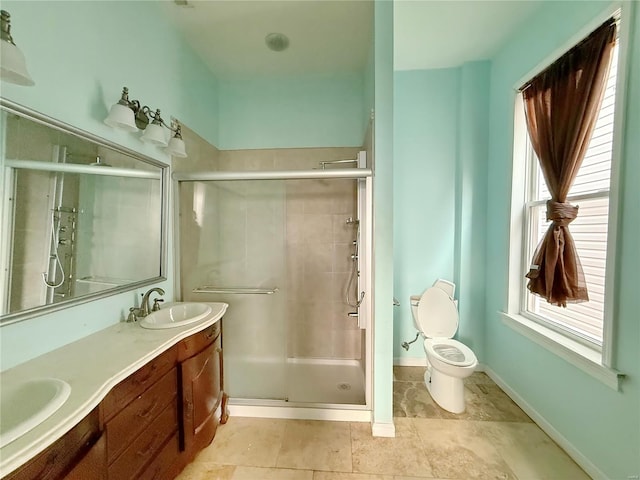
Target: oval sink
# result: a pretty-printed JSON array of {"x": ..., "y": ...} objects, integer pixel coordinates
[
  {"x": 28, "y": 404},
  {"x": 176, "y": 315}
]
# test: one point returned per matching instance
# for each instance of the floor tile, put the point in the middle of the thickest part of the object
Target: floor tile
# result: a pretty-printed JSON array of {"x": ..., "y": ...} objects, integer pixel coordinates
[
  {"x": 508, "y": 410},
  {"x": 484, "y": 401},
  {"x": 411, "y": 399},
  {"x": 408, "y": 374},
  {"x": 316, "y": 445},
  {"x": 257, "y": 473},
  {"x": 531, "y": 454},
  {"x": 492, "y": 439},
  {"x": 207, "y": 471},
  {"x": 349, "y": 476},
  {"x": 402, "y": 455},
  {"x": 479, "y": 378},
  {"x": 245, "y": 441},
  {"x": 461, "y": 450}
]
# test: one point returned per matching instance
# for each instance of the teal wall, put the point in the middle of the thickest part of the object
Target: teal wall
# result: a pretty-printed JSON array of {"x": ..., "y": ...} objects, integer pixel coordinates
[
  {"x": 440, "y": 155},
  {"x": 80, "y": 55},
  {"x": 471, "y": 202},
  {"x": 383, "y": 215},
  {"x": 602, "y": 424},
  {"x": 424, "y": 195},
  {"x": 292, "y": 112}
]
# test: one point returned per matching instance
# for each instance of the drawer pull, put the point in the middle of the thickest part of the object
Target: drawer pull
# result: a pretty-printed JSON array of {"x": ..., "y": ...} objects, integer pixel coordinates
[
  {"x": 145, "y": 413},
  {"x": 148, "y": 375},
  {"x": 218, "y": 350},
  {"x": 149, "y": 449}
]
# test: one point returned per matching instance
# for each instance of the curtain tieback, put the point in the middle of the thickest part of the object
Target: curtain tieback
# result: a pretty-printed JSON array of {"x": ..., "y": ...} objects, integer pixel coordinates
[{"x": 561, "y": 213}]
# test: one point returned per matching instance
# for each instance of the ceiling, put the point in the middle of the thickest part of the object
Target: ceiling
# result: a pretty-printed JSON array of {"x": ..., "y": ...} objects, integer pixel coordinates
[
  {"x": 443, "y": 34},
  {"x": 335, "y": 36},
  {"x": 325, "y": 36}
]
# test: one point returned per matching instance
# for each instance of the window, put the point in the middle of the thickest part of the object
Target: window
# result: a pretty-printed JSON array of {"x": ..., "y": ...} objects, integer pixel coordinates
[
  {"x": 581, "y": 333},
  {"x": 590, "y": 190}
]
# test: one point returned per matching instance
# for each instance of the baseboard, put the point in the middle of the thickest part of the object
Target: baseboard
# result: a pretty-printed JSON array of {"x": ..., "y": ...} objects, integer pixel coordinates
[
  {"x": 410, "y": 362},
  {"x": 549, "y": 429},
  {"x": 383, "y": 429}
]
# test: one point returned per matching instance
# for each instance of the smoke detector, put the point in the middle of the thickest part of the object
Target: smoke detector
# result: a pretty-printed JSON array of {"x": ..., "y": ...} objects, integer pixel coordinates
[{"x": 277, "y": 42}]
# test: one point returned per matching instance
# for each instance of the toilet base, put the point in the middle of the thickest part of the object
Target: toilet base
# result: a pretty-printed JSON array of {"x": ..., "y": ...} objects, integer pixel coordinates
[{"x": 446, "y": 391}]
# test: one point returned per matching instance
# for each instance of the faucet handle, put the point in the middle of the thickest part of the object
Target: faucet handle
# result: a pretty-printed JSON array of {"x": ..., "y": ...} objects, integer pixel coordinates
[
  {"x": 156, "y": 305},
  {"x": 133, "y": 314}
]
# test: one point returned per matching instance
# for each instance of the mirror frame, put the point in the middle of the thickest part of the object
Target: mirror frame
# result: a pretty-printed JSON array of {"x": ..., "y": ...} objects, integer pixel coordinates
[{"x": 12, "y": 107}]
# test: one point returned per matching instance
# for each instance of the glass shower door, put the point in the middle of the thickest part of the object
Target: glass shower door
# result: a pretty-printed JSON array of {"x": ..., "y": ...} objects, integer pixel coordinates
[{"x": 232, "y": 249}]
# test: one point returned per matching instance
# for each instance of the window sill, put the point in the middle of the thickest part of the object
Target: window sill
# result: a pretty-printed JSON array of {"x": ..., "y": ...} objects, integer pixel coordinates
[{"x": 578, "y": 355}]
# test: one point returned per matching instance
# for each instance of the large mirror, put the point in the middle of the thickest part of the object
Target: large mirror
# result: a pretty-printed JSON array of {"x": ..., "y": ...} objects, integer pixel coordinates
[{"x": 80, "y": 218}]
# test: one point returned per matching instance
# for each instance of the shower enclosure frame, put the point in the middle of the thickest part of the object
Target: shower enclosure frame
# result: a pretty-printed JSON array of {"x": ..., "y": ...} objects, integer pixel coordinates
[{"x": 364, "y": 176}]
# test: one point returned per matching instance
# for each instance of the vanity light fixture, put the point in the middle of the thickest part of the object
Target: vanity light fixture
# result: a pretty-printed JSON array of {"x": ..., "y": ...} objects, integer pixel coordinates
[
  {"x": 129, "y": 115},
  {"x": 13, "y": 67}
]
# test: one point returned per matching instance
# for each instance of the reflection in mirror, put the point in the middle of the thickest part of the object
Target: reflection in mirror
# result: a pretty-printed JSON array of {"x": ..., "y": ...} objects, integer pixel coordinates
[{"x": 80, "y": 218}]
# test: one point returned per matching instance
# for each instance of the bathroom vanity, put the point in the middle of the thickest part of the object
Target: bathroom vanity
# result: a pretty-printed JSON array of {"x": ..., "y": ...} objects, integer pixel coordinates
[{"x": 148, "y": 422}]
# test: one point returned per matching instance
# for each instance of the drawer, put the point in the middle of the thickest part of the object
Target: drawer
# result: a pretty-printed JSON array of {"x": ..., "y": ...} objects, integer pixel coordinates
[
  {"x": 134, "y": 418},
  {"x": 166, "y": 465},
  {"x": 141, "y": 451},
  {"x": 63, "y": 455},
  {"x": 130, "y": 388},
  {"x": 197, "y": 342}
]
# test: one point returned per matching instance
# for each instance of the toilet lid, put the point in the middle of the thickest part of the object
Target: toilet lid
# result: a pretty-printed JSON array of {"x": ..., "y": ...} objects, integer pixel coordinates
[{"x": 437, "y": 314}]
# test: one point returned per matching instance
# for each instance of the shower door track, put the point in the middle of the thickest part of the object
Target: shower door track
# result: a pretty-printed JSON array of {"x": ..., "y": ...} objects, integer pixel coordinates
[
  {"x": 353, "y": 173},
  {"x": 299, "y": 411}
]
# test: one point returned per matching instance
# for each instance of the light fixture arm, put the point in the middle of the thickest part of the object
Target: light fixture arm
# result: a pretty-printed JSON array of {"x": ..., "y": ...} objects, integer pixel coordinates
[
  {"x": 143, "y": 113},
  {"x": 145, "y": 118},
  {"x": 5, "y": 27}
]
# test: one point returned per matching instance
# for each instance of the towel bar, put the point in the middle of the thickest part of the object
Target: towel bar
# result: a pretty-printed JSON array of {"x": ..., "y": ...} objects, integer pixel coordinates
[{"x": 236, "y": 290}]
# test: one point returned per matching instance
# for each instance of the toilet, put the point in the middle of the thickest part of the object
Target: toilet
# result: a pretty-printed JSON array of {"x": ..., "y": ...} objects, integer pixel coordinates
[{"x": 435, "y": 315}]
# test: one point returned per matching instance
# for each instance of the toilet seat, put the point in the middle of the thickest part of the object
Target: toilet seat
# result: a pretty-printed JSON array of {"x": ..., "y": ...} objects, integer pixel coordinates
[{"x": 450, "y": 351}]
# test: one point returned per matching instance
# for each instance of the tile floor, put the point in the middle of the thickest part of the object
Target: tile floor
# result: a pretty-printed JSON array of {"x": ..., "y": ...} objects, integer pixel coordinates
[{"x": 493, "y": 439}]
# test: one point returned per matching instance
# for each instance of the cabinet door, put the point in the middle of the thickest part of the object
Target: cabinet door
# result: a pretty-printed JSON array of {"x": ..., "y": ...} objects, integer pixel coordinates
[
  {"x": 92, "y": 465},
  {"x": 201, "y": 396}
]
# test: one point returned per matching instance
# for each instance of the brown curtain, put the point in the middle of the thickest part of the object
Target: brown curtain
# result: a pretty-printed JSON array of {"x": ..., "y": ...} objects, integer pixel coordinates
[{"x": 561, "y": 107}]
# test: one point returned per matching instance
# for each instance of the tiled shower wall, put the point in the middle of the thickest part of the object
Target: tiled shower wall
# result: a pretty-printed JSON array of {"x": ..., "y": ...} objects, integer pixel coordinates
[
  {"x": 291, "y": 234},
  {"x": 318, "y": 245},
  {"x": 28, "y": 140}
]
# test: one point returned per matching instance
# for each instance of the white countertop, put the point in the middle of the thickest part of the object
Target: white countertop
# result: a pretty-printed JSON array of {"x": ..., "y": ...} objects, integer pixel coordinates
[{"x": 92, "y": 366}]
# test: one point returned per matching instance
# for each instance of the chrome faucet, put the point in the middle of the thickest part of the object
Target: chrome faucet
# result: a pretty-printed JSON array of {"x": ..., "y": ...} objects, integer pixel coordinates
[{"x": 145, "y": 309}]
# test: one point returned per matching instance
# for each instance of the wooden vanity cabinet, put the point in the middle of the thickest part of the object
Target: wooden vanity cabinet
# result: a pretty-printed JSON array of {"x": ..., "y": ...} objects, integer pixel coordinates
[
  {"x": 150, "y": 425},
  {"x": 200, "y": 364},
  {"x": 78, "y": 455}
]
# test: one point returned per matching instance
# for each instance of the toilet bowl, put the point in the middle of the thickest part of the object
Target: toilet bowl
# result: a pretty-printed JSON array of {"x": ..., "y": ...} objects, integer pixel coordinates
[{"x": 449, "y": 361}]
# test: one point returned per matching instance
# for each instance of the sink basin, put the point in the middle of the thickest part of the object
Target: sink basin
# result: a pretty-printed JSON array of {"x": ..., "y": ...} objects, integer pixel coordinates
[
  {"x": 28, "y": 404},
  {"x": 176, "y": 315}
]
